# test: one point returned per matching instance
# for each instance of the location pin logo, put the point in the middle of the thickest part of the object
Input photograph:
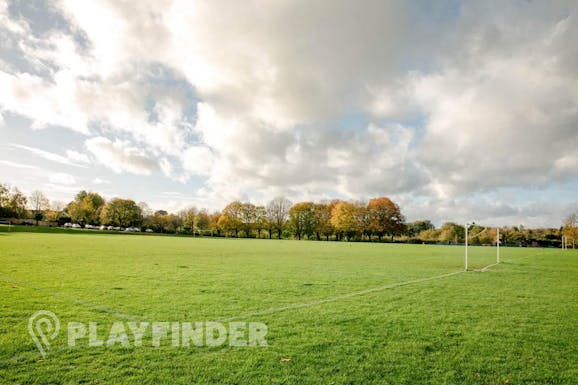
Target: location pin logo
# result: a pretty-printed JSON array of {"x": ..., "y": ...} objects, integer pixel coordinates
[{"x": 43, "y": 327}]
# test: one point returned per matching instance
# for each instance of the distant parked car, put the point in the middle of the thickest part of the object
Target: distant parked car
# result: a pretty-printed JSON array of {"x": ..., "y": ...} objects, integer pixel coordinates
[
  {"x": 132, "y": 230},
  {"x": 68, "y": 224},
  {"x": 149, "y": 231},
  {"x": 103, "y": 227},
  {"x": 76, "y": 226}
]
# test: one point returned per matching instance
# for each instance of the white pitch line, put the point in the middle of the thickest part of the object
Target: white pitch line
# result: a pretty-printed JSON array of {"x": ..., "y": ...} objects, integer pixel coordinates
[
  {"x": 335, "y": 299},
  {"x": 483, "y": 269},
  {"x": 8, "y": 278}
]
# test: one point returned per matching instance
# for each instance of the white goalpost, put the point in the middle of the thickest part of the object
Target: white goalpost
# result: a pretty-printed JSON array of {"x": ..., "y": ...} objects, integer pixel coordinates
[
  {"x": 7, "y": 223},
  {"x": 467, "y": 227}
]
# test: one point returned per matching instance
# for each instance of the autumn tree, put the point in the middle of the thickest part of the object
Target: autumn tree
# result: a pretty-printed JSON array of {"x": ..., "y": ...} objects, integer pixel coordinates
[
  {"x": 512, "y": 235},
  {"x": 120, "y": 212},
  {"x": 230, "y": 218},
  {"x": 385, "y": 217},
  {"x": 343, "y": 219},
  {"x": 452, "y": 233},
  {"x": 431, "y": 235},
  {"x": 214, "y": 223},
  {"x": 278, "y": 213}
]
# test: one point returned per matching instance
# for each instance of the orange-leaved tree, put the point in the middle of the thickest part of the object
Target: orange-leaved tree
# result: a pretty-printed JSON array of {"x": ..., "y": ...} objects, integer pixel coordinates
[{"x": 385, "y": 217}]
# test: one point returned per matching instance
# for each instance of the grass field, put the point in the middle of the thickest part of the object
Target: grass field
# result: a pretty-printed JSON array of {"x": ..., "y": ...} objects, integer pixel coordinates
[{"x": 516, "y": 323}]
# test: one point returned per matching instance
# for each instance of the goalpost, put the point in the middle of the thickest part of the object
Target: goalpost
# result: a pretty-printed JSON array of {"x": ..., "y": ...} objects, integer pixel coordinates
[
  {"x": 467, "y": 227},
  {"x": 6, "y": 223}
]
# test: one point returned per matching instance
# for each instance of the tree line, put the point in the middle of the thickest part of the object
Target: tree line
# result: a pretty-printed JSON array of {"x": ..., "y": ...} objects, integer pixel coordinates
[{"x": 376, "y": 220}]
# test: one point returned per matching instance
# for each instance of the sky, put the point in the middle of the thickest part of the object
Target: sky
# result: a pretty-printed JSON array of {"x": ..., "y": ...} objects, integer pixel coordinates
[{"x": 457, "y": 110}]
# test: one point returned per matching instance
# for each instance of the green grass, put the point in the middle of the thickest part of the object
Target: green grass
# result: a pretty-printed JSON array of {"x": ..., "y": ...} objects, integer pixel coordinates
[{"x": 516, "y": 323}]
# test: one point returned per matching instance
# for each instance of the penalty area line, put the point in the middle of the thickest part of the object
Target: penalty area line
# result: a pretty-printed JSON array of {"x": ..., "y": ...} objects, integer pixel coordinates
[{"x": 336, "y": 298}]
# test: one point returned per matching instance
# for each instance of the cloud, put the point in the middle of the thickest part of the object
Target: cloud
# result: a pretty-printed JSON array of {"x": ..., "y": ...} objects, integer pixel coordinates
[
  {"x": 99, "y": 181},
  {"x": 77, "y": 156},
  {"x": 48, "y": 155},
  {"x": 198, "y": 160},
  {"x": 17, "y": 165},
  {"x": 426, "y": 102},
  {"x": 62, "y": 179},
  {"x": 121, "y": 156}
]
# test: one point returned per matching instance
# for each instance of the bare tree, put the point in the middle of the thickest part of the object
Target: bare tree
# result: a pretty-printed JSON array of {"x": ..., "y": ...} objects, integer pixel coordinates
[
  {"x": 38, "y": 203},
  {"x": 278, "y": 213},
  {"x": 570, "y": 229}
]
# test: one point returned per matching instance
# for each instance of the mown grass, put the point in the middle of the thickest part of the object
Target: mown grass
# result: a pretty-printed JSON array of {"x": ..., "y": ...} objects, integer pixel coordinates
[{"x": 517, "y": 323}]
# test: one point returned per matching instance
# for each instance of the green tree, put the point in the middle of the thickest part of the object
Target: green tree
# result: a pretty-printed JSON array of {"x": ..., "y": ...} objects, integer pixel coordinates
[
  {"x": 362, "y": 220},
  {"x": 414, "y": 228},
  {"x": 248, "y": 218},
  {"x": 12, "y": 202},
  {"x": 15, "y": 204},
  {"x": 121, "y": 212},
  {"x": 86, "y": 208},
  {"x": 261, "y": 221},
  {"x": 202, "y": 221},
  {"x": 323, "y": 226},
  {"x": 189, "y": 217},
  {"x": 302, "y": 219}
]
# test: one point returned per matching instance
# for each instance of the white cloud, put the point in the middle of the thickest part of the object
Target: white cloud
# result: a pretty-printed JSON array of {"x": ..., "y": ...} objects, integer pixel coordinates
[
  {"x": 99, "y": 181},
  {"x": 120, "y": 156},
  {"x": 77, "y": 156},
  {"x": 17, "y": 165},
  {"x": 61, "y": 178},
  {"x": 166, "y": 167},
  {"x": 198, "y": 160},
  {"x": 48, "y": 155}
]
